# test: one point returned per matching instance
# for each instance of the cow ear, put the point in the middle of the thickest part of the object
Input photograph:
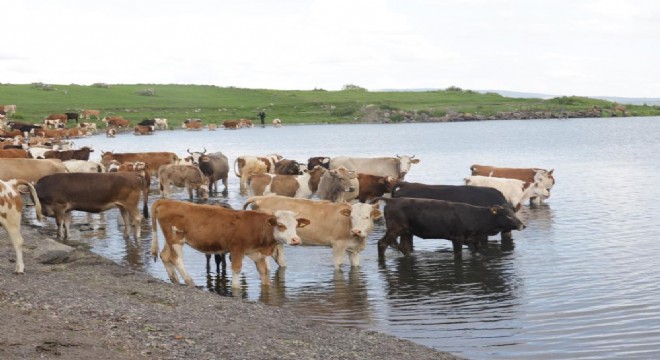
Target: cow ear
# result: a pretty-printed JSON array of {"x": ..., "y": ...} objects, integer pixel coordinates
[
  {"x": 345, "y": 212},
  {"x": 272, "y": 221},
  {"x": 303, "y": 222},
  {"x": 415, "y": 161},
  {"x": 325, "y": 161},
  {"x": 375, "y": 214},
  {"x": 550, "y": 172}
]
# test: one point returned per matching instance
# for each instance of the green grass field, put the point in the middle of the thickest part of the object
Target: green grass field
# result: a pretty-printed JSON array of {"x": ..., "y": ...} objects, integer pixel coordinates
[{"x": 215, "y": 104}]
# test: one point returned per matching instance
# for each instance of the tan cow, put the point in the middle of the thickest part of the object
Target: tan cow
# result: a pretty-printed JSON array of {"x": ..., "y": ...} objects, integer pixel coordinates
[
  {"x": 188, "y": 176},
  {"x": 29, "y": 169},
  {"x": 342, "y": 226},
  {"x": 192, "y": 124},
  {"x": 61, "y": 117},
  {"x": 89, "y": 113},
  {"x": 10, "y": 109},
  {"x": 338, "y": 185},
  {"x": 11, "y": 208},
  {"x": 298, "y": 186},
  {"x": 216, "y": 230},
  {"x": 246, "y": 166},
  {"x": 529, "y": 175},
  {"x": 245, "y": 123},
  {"x": 153, "y": 160}
]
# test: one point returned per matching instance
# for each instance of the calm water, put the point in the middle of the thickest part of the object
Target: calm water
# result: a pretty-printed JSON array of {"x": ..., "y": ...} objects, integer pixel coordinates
[{"x": 581, "y": 282}]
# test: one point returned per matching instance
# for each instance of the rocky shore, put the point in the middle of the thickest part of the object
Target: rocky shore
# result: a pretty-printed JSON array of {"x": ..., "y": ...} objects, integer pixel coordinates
[{"x": 73, "y": 304}]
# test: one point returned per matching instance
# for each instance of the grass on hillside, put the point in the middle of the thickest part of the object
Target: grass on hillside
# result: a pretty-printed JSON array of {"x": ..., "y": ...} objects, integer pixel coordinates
[{"x": 215, "y": 104}]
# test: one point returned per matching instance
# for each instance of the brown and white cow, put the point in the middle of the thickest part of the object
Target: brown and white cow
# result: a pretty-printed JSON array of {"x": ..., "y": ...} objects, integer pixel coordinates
[
  {"x": 246, "y": 166},
  {"x": 231, "y": 125},
  {"x": 246, "y": 123},
  {"x": 29, "y": 169},
  {"x": 343, "y": 227},
  {"x": 373, "y": 186},
  {"x": 298, "y": 186},
  {"x": 61, "y": 117},
  {"x": 11, "y": 209},
  {"x": 214, "y": 166},
  {"x": 143, "y": 130},
  {"x": 116, "y": 121},
  {"x": 88, "y": 113},
  {"x": 153, "y": 160},
  {"x": 515, "y": 191},
  {"x": 277, "y": 122},
  {"x": 188, "y": 176},
  {"x": 62, "y": 193},
  {"x": 111, "y": 132},
  {"x": 338, "y": 185},
  {"x": 192, "y": 124},
  {"x": 216, "y": 230},
  {"x": 396, "y": 167},
  {"x": 529, "y": 175},
  {"x": 288, "y": 167}
]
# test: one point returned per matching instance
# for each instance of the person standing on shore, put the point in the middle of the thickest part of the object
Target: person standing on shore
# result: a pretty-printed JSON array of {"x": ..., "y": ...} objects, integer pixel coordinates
[{"x": 262, "y": 117}]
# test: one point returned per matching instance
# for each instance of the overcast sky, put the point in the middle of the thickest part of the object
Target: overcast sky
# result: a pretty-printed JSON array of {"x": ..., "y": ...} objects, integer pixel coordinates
[{"x": 558, "y": 47}]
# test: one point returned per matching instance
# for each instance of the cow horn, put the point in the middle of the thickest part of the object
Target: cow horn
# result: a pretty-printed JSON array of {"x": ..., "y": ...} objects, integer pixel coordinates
[
  {"x": 412, "y": 157},
  {"x": 204, "y": 152},
  {"x": 188, "y": 150}
]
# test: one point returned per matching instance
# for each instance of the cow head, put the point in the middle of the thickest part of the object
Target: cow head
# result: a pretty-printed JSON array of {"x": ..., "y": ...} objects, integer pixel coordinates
[
  {"x": 545, "y": 178},
  {"x": 342, "y": 177},
  {"x": 284, "y": 225},
  {"x": 506, "y": 218},
  {"x": 405, "y": 162},
  {"x": 362, "y": 218},
  {"x": 196, "y": 155},
  {"x": 318, "y": 160}
]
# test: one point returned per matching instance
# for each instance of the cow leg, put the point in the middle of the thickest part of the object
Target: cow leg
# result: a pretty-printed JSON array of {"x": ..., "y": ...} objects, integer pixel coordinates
[
  {"x": 338, "y": 250},
  {"x": 224, "y": 182},
  {"x": 262, "y": 267},
  {"x": 278, "y": 255},
  {"x": 67, "y": 225},
  {"x": 236, "y": 265},
  {"x": 136, "y": 221},
  {"x": 16, "y": 238},
  {"x": 166, "y": 257},
  {"x": 387, "y": 240},
  {"x": 127, "y": 222},
  {"x": 406, "y": 243},
  {"x": 354, "y": 257},
  {"x": 458, "y": 248},
  {"x": 506, "y": 236},
  {"x": 178, "y": 263}
]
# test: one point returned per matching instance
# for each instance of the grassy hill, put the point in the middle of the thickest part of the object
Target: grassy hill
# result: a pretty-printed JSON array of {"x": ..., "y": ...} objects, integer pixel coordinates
[{"x": 215, "y": 104}]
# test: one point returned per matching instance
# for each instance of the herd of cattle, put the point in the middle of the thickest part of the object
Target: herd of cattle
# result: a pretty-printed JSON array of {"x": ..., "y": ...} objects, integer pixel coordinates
[{"x": 329, "y": 201}]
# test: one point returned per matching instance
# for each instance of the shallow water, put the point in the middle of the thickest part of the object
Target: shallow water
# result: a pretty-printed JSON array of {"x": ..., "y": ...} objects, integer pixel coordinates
[{"x": 579, "y": 283}]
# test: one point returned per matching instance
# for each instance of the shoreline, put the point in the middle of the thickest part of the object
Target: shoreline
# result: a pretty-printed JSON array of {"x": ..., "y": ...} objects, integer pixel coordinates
[{"x": 74, "y": 304}]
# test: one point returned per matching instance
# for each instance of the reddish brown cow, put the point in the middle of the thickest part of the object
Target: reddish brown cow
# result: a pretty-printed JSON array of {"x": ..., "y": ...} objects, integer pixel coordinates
[
  {"x": 116, "y": 121},
  {"x": 61, "y": 117},
  {"x": 79, "y": 154},
  {"x": 14, "y": 154},
  {"x": 87, "y": 113},
  {"x": 231, "y": 124},
  {"x": 153, "y": 160},
  {"x": 143, "y": 130},
  {"x": 217, "y": 230},
  {"x": 373, "y": 186}
]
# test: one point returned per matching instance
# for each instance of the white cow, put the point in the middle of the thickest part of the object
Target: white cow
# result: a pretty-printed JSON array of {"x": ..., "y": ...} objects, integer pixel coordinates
[
  {"x": 342, "y": 226},
  {"x": 84, "y": 166},
  {"x": 515, "y": 191},
  {"x": 161, "y": 123},
  {"x": 396, "y": 167}
]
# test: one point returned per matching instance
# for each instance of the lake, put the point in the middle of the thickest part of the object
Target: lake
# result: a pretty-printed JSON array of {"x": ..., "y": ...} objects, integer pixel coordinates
[{"x": 580, "y": 282}]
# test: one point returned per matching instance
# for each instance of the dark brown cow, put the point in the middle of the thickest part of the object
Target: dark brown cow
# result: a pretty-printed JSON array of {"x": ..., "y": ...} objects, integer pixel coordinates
[
  {"x": 72, "y": 116},
  {"x": 439, "y": 219},
  {"x": 79, "y": 154},
  {"x": 139, "y": 168},
  {"x": 14, "y": 154},
  {"x": 318, "y": 161},
  {"x": 217, "y": 230},
  {"x": 59, "y": 194},
  {"x": 288, "y": 167},
  {"x": 373, "y": 186},
  {"x": 153, "y": 160}
]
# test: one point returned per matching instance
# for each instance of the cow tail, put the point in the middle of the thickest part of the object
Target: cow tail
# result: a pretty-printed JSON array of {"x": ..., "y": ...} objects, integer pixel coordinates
[
  {"x": 248, "y": 202},
  {"x": 154, "y": 227},
  {"x": 35, "y": 197},
  {"x": 236, "y": 168},
  {"x": 145, "y": 207}
]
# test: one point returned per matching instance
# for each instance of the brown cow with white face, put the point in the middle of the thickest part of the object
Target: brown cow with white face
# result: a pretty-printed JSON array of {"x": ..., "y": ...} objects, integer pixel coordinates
[
  {"x": 62, "y": 193},
  {"x": 11, "y": 208},
  {"x": 237, "y": 232},
  {"x": 529, "y": 175},
  {"x": 298, "y": 186}
]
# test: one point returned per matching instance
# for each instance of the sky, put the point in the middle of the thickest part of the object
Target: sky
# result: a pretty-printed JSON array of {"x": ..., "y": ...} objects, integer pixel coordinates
[{"x": 556, "y": 47}]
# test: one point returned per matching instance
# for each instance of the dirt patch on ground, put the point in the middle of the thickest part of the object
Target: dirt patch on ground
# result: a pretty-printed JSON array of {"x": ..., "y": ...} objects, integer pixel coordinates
[{"x": 78, "y": 305}]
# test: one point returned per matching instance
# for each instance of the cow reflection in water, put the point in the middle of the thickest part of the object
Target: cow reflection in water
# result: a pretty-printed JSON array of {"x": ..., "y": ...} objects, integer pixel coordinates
[{"x": 435, "y": 280}]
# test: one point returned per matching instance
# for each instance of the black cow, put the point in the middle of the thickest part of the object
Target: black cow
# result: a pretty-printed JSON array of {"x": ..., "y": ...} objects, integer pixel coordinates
[
  {"x": 72, "y": 116},
  {"x": 439, "y": 219},
  {"x": 23, "y": 127},
  {"x": 148, "y": 122}
]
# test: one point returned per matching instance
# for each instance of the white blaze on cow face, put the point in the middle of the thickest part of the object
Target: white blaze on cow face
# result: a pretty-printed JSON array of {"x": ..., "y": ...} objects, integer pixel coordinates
[
  {"x": 203, "y": 192},
  {"x": 362, "y": 218},
  {"x": 284, "y": 227}
]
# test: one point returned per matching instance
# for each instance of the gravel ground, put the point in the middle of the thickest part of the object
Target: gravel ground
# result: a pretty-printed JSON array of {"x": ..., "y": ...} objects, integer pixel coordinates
[{"x": 73, "y": 304}]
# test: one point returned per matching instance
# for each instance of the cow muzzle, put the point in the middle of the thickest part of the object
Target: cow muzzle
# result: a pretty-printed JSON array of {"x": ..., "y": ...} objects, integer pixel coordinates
[
  {"x": 359, "y": 233},
  {"x": 295, "y": 241}
]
